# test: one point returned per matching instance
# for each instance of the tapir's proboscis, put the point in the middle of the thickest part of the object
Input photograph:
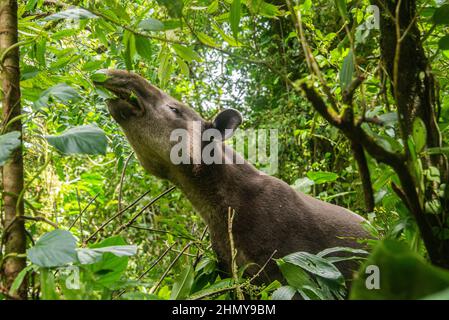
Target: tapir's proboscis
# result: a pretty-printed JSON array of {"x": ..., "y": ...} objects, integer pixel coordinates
[{"x": 270, "y": 216}]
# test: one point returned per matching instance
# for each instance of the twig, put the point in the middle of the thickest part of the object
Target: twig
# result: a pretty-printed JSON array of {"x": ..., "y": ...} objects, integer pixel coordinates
[
  {"x": 122, "y": 179},
  {"x": 134, "y": 218},
  {"x": 234, "y": 267},
  {"x": 150, "y": 268},
  {"x": 169, "y": 268},
  {"x": 162, "y": 231},
  {"x": 84, "y": 209},
  {"x": 115, "y": 216},
  {"x": 234, "y": 287}
]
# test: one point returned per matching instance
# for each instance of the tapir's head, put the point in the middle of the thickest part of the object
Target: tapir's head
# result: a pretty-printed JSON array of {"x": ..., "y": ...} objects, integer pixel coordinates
[{"x": 150, "y": 117}]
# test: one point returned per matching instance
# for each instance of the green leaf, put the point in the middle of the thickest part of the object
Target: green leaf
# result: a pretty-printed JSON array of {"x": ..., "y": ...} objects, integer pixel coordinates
[
  {"x": 443, "y": 43},
  {"x": 284, "y": 293},
  {"x": 53, "y": 249},
  {"x": 315, "y": 265},
  {"x": 151, "y": 24},
  {"x": 110, "y": 268},
  {"x": 8, "y": 143},
  {"x": 204, "y": 38},
  {"x": 183, "y": 284},
  {"x": 19, "y": 280},
  {"x": 319, "y": 177},
  {"x": 419, "y": 134},
  {"x": 73, "y": 13},
  {"x": 342, "y": 9},
  {"x": 61, "y": 92},
  {"x": 441, "y": 15},
  {"x": 89, "y": 255},
  {"x": 165, "y": 66},
  {"x": 295, "y": 276},
  {"x": 99, "y": 77},
  {"x": 48, "y": 285},
  {"x": 144, "y": 47},
  {"x": 87, "y": 139},
  {"x": 347, "y": 71},
  {"x": 213, "y": 7},
  {"x": 186, "y": 53},
  {"x": 234, "y": 17},
  {"x": 403, "y": 274}
]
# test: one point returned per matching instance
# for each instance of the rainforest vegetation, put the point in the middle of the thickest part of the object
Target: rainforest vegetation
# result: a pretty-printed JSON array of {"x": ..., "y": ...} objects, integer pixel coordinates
[{"x": 357, "y": 90}]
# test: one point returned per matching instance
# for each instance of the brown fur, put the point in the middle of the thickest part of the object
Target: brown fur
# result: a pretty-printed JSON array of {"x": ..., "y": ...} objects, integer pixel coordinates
[{"x": 270, "y": 215}]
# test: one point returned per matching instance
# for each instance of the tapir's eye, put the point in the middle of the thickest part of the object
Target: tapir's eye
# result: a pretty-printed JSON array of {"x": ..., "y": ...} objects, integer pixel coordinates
[{"x": 174, "y": 110}]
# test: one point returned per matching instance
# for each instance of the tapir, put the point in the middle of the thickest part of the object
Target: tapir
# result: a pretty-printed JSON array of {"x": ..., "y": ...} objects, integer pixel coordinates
[{"x": 269, "y": 215}]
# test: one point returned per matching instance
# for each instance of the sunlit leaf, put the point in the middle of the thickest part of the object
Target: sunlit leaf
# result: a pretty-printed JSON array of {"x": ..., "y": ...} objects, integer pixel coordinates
[
  {"x": 419, "y": 134},
  {"x": 72, "y": 13},
  {"x": 234, "y": 17},
  {"x": 319, "y": 177},
  {"x": 347, "y": 71},
  {"x": 53, "y": 249}
]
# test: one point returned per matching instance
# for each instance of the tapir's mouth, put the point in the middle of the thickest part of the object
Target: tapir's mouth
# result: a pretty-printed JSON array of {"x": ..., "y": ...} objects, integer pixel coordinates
[{"x": 125, "y": 104}]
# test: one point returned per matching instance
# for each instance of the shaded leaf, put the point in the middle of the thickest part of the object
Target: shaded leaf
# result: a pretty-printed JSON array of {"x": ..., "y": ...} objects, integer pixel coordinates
[
  {"x": 151, "y": 24},
  {"x": 8, "y": 143},
  {"x": 284, "y": 293},
  {"x": 183, "y": 284},
  {"x": 87, "y": 139},
  {"x": 61, "y": 92},
  {"x": 404, "y": 274},
  {"x": 441, "y": 15}
]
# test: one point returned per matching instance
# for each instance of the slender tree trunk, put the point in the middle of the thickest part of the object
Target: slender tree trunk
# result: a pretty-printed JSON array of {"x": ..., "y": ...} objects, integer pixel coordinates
[{"x": 14, "y": 237}]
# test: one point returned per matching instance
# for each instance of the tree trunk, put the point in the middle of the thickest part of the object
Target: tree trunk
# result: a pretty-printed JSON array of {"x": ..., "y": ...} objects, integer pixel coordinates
[{"x": 12, "y": 178}]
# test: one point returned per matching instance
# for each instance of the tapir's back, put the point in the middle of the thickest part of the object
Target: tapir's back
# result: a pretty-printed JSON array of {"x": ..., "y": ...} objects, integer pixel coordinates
[{"x": 277, "y": 217}]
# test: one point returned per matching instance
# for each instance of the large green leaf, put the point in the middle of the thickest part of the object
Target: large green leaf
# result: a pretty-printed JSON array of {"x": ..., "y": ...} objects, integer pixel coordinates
[
  {"x": 8, "y": 143},
  {"x": 183, "y": 284},
  {"x": 315, "y": 265},
  {"x": 87, "y": 139},
  {"x": 61, "y": 92},
  {"x": 403, "y": 274},
  {"x": 441, "y": 15},
  {"x": 92, "y": 255},
  {"x": 110, "y": 268},
  {"x": 54, "y": 249}
]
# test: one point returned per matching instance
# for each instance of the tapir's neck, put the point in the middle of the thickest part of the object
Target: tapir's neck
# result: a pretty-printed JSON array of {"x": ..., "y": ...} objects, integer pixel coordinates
[{"x": 212, "y": 189}]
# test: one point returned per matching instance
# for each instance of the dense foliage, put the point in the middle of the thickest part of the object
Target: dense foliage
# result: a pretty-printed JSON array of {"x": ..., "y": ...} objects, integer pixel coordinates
[{"x": 96, "y": 225}]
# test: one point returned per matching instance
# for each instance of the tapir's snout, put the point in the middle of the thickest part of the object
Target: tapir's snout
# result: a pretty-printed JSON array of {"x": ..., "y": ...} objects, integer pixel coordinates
[{"x": 133, "y": 93}]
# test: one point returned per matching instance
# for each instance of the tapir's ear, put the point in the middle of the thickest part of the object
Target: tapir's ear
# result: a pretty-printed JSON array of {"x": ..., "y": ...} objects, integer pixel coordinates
[{"x": 227, "y": 121}]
